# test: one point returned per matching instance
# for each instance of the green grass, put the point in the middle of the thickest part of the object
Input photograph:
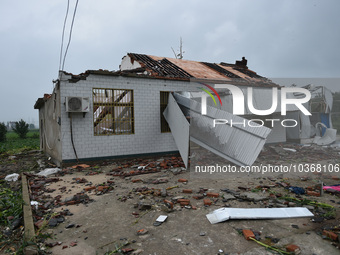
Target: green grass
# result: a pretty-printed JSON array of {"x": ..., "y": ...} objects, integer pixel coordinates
[
  {"x": 10, "y": 204},
  {"x": 14, "y": 144}
]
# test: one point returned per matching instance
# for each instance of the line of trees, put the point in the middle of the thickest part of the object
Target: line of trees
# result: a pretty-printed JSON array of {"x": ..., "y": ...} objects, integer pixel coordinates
[{"x": 20, "y": 128}]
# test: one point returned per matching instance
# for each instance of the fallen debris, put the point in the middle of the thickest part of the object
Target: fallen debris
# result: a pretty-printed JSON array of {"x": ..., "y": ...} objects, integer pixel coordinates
[
  {"x": 224, "y": 214},
  {"x": 12, "y": 177},
  {"x": 49, "y": 171}
]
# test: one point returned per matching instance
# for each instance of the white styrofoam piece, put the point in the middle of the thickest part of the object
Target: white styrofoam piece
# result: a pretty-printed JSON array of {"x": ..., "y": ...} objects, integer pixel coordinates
[
  {"x": 224, "y": 214},
  {"x": 161, "y": 218}
]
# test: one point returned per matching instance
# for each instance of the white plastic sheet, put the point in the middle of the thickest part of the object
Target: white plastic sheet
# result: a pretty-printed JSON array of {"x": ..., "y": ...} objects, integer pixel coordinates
[
  {"x": 49, "y": 171},
  {"x": 12, "y": 177}
]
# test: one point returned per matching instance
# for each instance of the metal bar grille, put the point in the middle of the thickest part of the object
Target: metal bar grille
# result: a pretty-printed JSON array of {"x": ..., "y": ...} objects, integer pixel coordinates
[{"x": 113, "y": 111}]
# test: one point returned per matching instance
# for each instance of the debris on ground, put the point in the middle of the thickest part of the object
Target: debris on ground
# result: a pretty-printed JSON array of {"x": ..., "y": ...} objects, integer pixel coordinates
[{"x": 153, "y": 187}]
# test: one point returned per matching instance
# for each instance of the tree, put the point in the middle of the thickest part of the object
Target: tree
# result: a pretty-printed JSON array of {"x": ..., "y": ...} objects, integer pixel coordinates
[
  {"x": 3, "y": 131},
  {"x": 21, "y": 128}
]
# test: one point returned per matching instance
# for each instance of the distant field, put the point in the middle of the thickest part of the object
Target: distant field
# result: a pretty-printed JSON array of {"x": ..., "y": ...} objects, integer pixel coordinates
[{"x": 16, "y": 144}]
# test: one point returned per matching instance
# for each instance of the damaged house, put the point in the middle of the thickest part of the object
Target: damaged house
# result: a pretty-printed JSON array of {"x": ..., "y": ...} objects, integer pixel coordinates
[{"x": 103, "y": 114}]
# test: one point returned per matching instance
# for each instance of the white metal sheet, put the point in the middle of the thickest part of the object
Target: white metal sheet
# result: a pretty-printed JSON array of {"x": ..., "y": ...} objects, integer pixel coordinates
[
  {"x": 240, "y": 144},
  {"x": 179, "y": 127},
  {"x": 225, "y": 214}
]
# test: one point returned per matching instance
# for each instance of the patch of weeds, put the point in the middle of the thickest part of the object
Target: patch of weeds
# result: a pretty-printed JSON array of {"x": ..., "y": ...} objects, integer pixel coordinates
[
  {"x": 10, "y": 204},
  {"x": 10, "y": 219},
  {"x": 15, "y": 144},
  {"x": 256, "y": 190}
]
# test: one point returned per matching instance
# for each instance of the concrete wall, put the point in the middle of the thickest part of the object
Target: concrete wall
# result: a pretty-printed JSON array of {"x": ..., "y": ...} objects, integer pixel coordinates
[
  {"x": 147, "y": 137},
  {"x": 50, "y": 129}
]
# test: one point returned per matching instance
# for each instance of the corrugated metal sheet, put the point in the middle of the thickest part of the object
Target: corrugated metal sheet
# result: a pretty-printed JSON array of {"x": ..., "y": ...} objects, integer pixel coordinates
[
  {"x": 179, "y": 127},
  {"x": 237, "y": 143}
]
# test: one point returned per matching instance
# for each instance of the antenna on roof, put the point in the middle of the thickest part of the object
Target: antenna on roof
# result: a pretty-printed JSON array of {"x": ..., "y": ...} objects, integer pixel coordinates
[{"x": 181, "y": 52}]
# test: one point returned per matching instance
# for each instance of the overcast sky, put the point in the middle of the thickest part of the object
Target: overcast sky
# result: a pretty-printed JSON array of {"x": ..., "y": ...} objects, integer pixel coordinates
[{"x": 280, "y": 39}]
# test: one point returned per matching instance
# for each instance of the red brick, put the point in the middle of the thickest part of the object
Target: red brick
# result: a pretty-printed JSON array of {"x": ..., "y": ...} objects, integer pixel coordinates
[
  {"x": 313, "y": 193},
  {"x": 184, "y": 203},
  {"x": 330, "y": 234},
  {"x": 336, "y": 178},
  {"x": 90, "y": 188},
  {"x": 183, "y": 200},
  {"x": 187, "y": 191},
  {"x": 101, "y": 188},
  {"x": 182, "y": 180},
  {"x": 193, "y": 207},
  {"x": 169, "y": 204},
  {"x": 136, "y": 180},
  {"x": 293, "y": 248},
  {"x": 198, "y": 197},
  {"x": 211, "y": 194},
  {"x": 247, "y": 233},
  {"x": 207, "y": 201}
]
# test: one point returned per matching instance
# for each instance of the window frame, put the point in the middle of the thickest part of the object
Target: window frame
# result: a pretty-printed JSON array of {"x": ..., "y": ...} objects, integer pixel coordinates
[{"x": 113, "y": 107}]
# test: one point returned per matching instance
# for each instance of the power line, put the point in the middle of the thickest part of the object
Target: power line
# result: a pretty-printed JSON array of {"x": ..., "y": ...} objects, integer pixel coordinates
[
  {"x": 62, "y": 37},
  {"x": 70, "y": 35}
]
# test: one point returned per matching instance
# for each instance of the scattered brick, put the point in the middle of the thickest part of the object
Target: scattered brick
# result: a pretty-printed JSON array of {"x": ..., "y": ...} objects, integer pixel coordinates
[
  {"x": 330, "y": 234},
  {"x": 136, "y": 180},
  {"x": 142, "y": 232},
  {"x": 188, "y": 191},
  {"x": 207, "y": 201},
  {"x": 169, "y": 204},
  {"x": 80, "y": 166},
  {"x": 101, "y": 188},
  {"x": 198, "y": 197},
  {"x": 211, "y": 194},
  {"x": 184, "y": 203},
  {"x": 247, "y": 233},
  {"x": 127, "y": 250},
  {"x": 336, "y": 178},
  {"x": 183, "y": 200},
  {"x": 73, "y": 244},
  {"x": 293, "y": 248},
  {"x": 90, "y": 188},
  {"x": 313, "y": 193},
  {"x": 182, "y": 180}
]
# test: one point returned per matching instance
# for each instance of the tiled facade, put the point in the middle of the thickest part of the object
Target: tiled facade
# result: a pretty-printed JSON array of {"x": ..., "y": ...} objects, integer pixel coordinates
[{"x": 147, "y": 137}]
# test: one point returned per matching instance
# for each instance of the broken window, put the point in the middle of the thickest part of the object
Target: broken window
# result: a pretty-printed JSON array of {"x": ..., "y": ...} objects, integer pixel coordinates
[
  {"x": 113, "y": 112},
  {"x": 164, "y": 97}
]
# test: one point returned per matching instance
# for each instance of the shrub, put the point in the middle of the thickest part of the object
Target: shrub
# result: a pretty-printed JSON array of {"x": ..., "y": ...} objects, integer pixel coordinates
[
  {"x": 21, "y": 128},
  {"x": 3, "y": 131}
]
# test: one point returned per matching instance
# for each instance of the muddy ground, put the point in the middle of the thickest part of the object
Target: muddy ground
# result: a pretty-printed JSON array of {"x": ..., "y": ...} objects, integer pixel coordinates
[{"x": 99, "y": 207}]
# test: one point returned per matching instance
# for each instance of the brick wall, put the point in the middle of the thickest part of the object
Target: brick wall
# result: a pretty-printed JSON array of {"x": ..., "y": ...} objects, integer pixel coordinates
[{"x": 147, "y": 137}]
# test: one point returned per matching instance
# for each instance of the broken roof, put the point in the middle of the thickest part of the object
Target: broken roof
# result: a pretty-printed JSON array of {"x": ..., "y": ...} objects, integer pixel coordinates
[
  {"x": 171, "y": 68},
  {"x": 148, "y": 66}
]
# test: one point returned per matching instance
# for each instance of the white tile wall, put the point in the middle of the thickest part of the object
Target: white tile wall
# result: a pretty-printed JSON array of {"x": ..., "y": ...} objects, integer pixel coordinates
[{"x": 147, "y": 137}]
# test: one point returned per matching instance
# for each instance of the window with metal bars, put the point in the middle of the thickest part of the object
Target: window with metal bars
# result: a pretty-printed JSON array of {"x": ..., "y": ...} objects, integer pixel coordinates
[
  {"x": 113, "y": 112},
  {"x": 164, "y": 97}
]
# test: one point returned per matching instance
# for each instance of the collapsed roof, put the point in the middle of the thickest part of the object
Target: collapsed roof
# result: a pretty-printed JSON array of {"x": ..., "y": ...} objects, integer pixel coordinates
[{"x": 171, "y": 68}]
